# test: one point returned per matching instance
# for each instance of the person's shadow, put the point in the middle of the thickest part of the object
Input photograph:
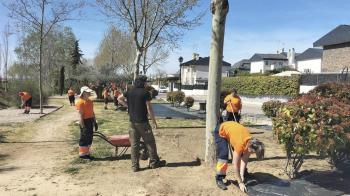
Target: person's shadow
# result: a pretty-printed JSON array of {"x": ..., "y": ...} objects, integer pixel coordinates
[{"x": 194, "y": 163}]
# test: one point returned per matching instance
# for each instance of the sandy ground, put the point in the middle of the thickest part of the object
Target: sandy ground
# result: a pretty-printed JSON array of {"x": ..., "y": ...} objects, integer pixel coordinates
[
  {"x": 16, "y": 115},
  {"x": 37, "y": 167}
]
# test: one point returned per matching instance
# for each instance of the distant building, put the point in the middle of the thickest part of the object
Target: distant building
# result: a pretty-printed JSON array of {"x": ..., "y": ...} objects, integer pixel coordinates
[
  {"x": 196, "y": 71},
  {"x": 336, "y": 49},
  {"x": 260, "y": 63},
  {"x": 310, "y": 61},
  {"x": 243, "y": 64}
]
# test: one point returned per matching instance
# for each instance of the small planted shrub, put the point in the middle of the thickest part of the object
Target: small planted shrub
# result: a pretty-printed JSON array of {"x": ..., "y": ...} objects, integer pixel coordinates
[
  {"x": 189, "y": 102},
  {"x": 178, "y": 97},
  {"x": 313, "y": 124},
  {"x": 270, "y": 108},
  {"x": 170, "y": 97}
]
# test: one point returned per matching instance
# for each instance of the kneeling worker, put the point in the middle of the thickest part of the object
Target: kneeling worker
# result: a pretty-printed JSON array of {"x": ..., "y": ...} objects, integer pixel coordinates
[{"x": 244, "y": 145}]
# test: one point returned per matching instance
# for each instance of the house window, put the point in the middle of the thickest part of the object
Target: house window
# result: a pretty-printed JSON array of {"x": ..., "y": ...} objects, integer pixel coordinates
[
  {"x": 266, "y": 63},
  {"x": 280, "y": 63}
]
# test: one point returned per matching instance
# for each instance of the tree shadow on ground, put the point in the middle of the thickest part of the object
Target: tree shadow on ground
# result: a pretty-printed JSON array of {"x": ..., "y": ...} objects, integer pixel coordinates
[
  {"x": 5, "y": 168},
  {"x": 2, "y": 138},
  {"x": 194, "y": 163}
]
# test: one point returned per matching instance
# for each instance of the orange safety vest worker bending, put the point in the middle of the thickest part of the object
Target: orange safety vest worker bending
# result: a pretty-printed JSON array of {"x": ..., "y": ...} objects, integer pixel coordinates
[{"x": 26, "y": 99}]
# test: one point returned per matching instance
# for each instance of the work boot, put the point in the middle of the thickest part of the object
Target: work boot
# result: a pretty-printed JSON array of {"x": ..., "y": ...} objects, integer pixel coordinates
[
  {"x": 157, "y": 164},
  {"x": 87, "y": 157},
  {"x": 221, "y": 185}
]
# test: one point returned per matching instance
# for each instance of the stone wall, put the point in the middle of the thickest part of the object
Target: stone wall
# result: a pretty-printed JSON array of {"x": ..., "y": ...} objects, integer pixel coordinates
[{"x": 336, "y": 57}]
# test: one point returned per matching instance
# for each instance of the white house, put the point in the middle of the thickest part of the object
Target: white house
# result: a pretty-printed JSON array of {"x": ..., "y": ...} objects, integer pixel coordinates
[
  {"x": 260, "y": 63},
  {"x": 196, "y": 71},
  {"x": 310, "y": 61}
]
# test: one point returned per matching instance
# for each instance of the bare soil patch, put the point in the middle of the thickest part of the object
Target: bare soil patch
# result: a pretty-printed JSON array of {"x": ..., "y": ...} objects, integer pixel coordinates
[{"x": 48, "y": 165}]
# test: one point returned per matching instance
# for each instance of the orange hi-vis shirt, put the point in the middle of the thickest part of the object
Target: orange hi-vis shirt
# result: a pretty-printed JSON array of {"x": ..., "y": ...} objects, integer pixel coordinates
[
  {"x": 116, "y": 93},
  {"x": 26, "y": 96},
  {"x": 70, "y": 93},
  {"x": 235, "y": 105},
  {"x": 87, "y": 106},
  {"x": 236, "y": 134},
  {"x": 105, "y": 94}
]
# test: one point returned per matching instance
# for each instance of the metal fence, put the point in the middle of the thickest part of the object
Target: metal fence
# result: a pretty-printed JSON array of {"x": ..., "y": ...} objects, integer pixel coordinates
[{"x": 317, "y": 79}]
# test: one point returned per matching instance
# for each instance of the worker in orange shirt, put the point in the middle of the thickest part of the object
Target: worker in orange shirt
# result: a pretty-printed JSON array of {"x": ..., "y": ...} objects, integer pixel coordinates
[
  {"x": 233, "y": 106},
  {"x": 105, "y": 95},
  {"x": 116, "y": 94},
  {"x": 238, "y": 137},
  {"x": 71, "y": 96},
  {"x": 26, "y": 99},
  {"x": 87, "y": 122}
]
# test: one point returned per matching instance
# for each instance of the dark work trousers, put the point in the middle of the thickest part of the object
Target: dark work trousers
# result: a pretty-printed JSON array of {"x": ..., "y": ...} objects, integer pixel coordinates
[
  {"x": 116, "y": 101},
  {"x": 222, "y": 155},
  {"x": 233, "y": 116},
  {"x": 144, "y": 131},
  {"x": 71, "y": 99},
  {"x": 86, "y": 135}
]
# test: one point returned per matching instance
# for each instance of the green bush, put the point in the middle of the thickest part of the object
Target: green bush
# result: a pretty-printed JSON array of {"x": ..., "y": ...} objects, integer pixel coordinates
[
  {"x": 170, "y": 97},
  {"x": 337, "y": 90},
  {"x": 189, "y": 101},
  {"x": 263, "y": 85},
  {"x": 178, "y": 97},
  {"x": 270, "y": 108},
  {"x": 313, "y": 124}
]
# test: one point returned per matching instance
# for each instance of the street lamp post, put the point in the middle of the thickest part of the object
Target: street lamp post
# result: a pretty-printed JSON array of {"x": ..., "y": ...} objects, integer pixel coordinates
[{"x": 180, "y": 61}]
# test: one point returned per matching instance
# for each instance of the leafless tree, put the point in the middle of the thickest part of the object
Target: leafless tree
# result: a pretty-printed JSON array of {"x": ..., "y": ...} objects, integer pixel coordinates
[
  {"x": 154, "y": 55},
  {"x": 151, "y": 20},
  {"x": 41, "y": 16},
  {"x": 5, "y": 52},
  {"x": 115, "y": 53}
]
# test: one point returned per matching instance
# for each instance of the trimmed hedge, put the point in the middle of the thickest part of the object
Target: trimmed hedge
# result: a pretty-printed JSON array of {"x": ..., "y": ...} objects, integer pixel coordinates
[
  {"x": 270, "y": 108},
  {"x": 263, "y": 85}
]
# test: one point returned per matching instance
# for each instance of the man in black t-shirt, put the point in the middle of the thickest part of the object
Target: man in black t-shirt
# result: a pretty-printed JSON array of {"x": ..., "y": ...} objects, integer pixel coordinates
[{"x": 139, "y": 105}]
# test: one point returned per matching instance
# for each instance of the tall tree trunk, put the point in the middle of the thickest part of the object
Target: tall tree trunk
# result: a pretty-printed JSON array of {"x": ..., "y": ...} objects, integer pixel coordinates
[
  {"x": 61, "y": 80},
  {"x": 137, "y": 63},
  {"x": 219, "y": 11},
  {"x": 41, "y": 56}
]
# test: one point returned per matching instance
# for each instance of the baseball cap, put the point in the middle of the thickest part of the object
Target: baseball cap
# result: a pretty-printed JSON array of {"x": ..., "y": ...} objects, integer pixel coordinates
[{"x": 85, "y": 89}]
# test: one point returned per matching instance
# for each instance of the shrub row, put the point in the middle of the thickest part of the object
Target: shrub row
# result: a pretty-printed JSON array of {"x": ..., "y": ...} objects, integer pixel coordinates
[
  {"x": 316, "y": 122},
  {"x": 263, "y": 85}
]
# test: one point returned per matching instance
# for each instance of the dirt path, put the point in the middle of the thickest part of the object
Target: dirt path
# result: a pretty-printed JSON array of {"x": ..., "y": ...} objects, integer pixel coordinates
[{"x": 32, "y": 168}]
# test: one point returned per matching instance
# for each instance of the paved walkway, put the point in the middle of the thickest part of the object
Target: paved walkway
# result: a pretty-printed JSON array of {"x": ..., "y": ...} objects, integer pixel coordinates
[
  {"x": 16, "y": 115},
  {"x": 167, "y": 111}
]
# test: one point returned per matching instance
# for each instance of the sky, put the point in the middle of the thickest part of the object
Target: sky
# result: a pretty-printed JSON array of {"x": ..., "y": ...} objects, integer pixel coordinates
[{"x": 252, "y": 26}]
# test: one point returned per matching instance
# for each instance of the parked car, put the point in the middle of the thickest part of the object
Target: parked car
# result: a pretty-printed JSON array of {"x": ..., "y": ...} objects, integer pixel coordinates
[{"x": 163, "y": 89}]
